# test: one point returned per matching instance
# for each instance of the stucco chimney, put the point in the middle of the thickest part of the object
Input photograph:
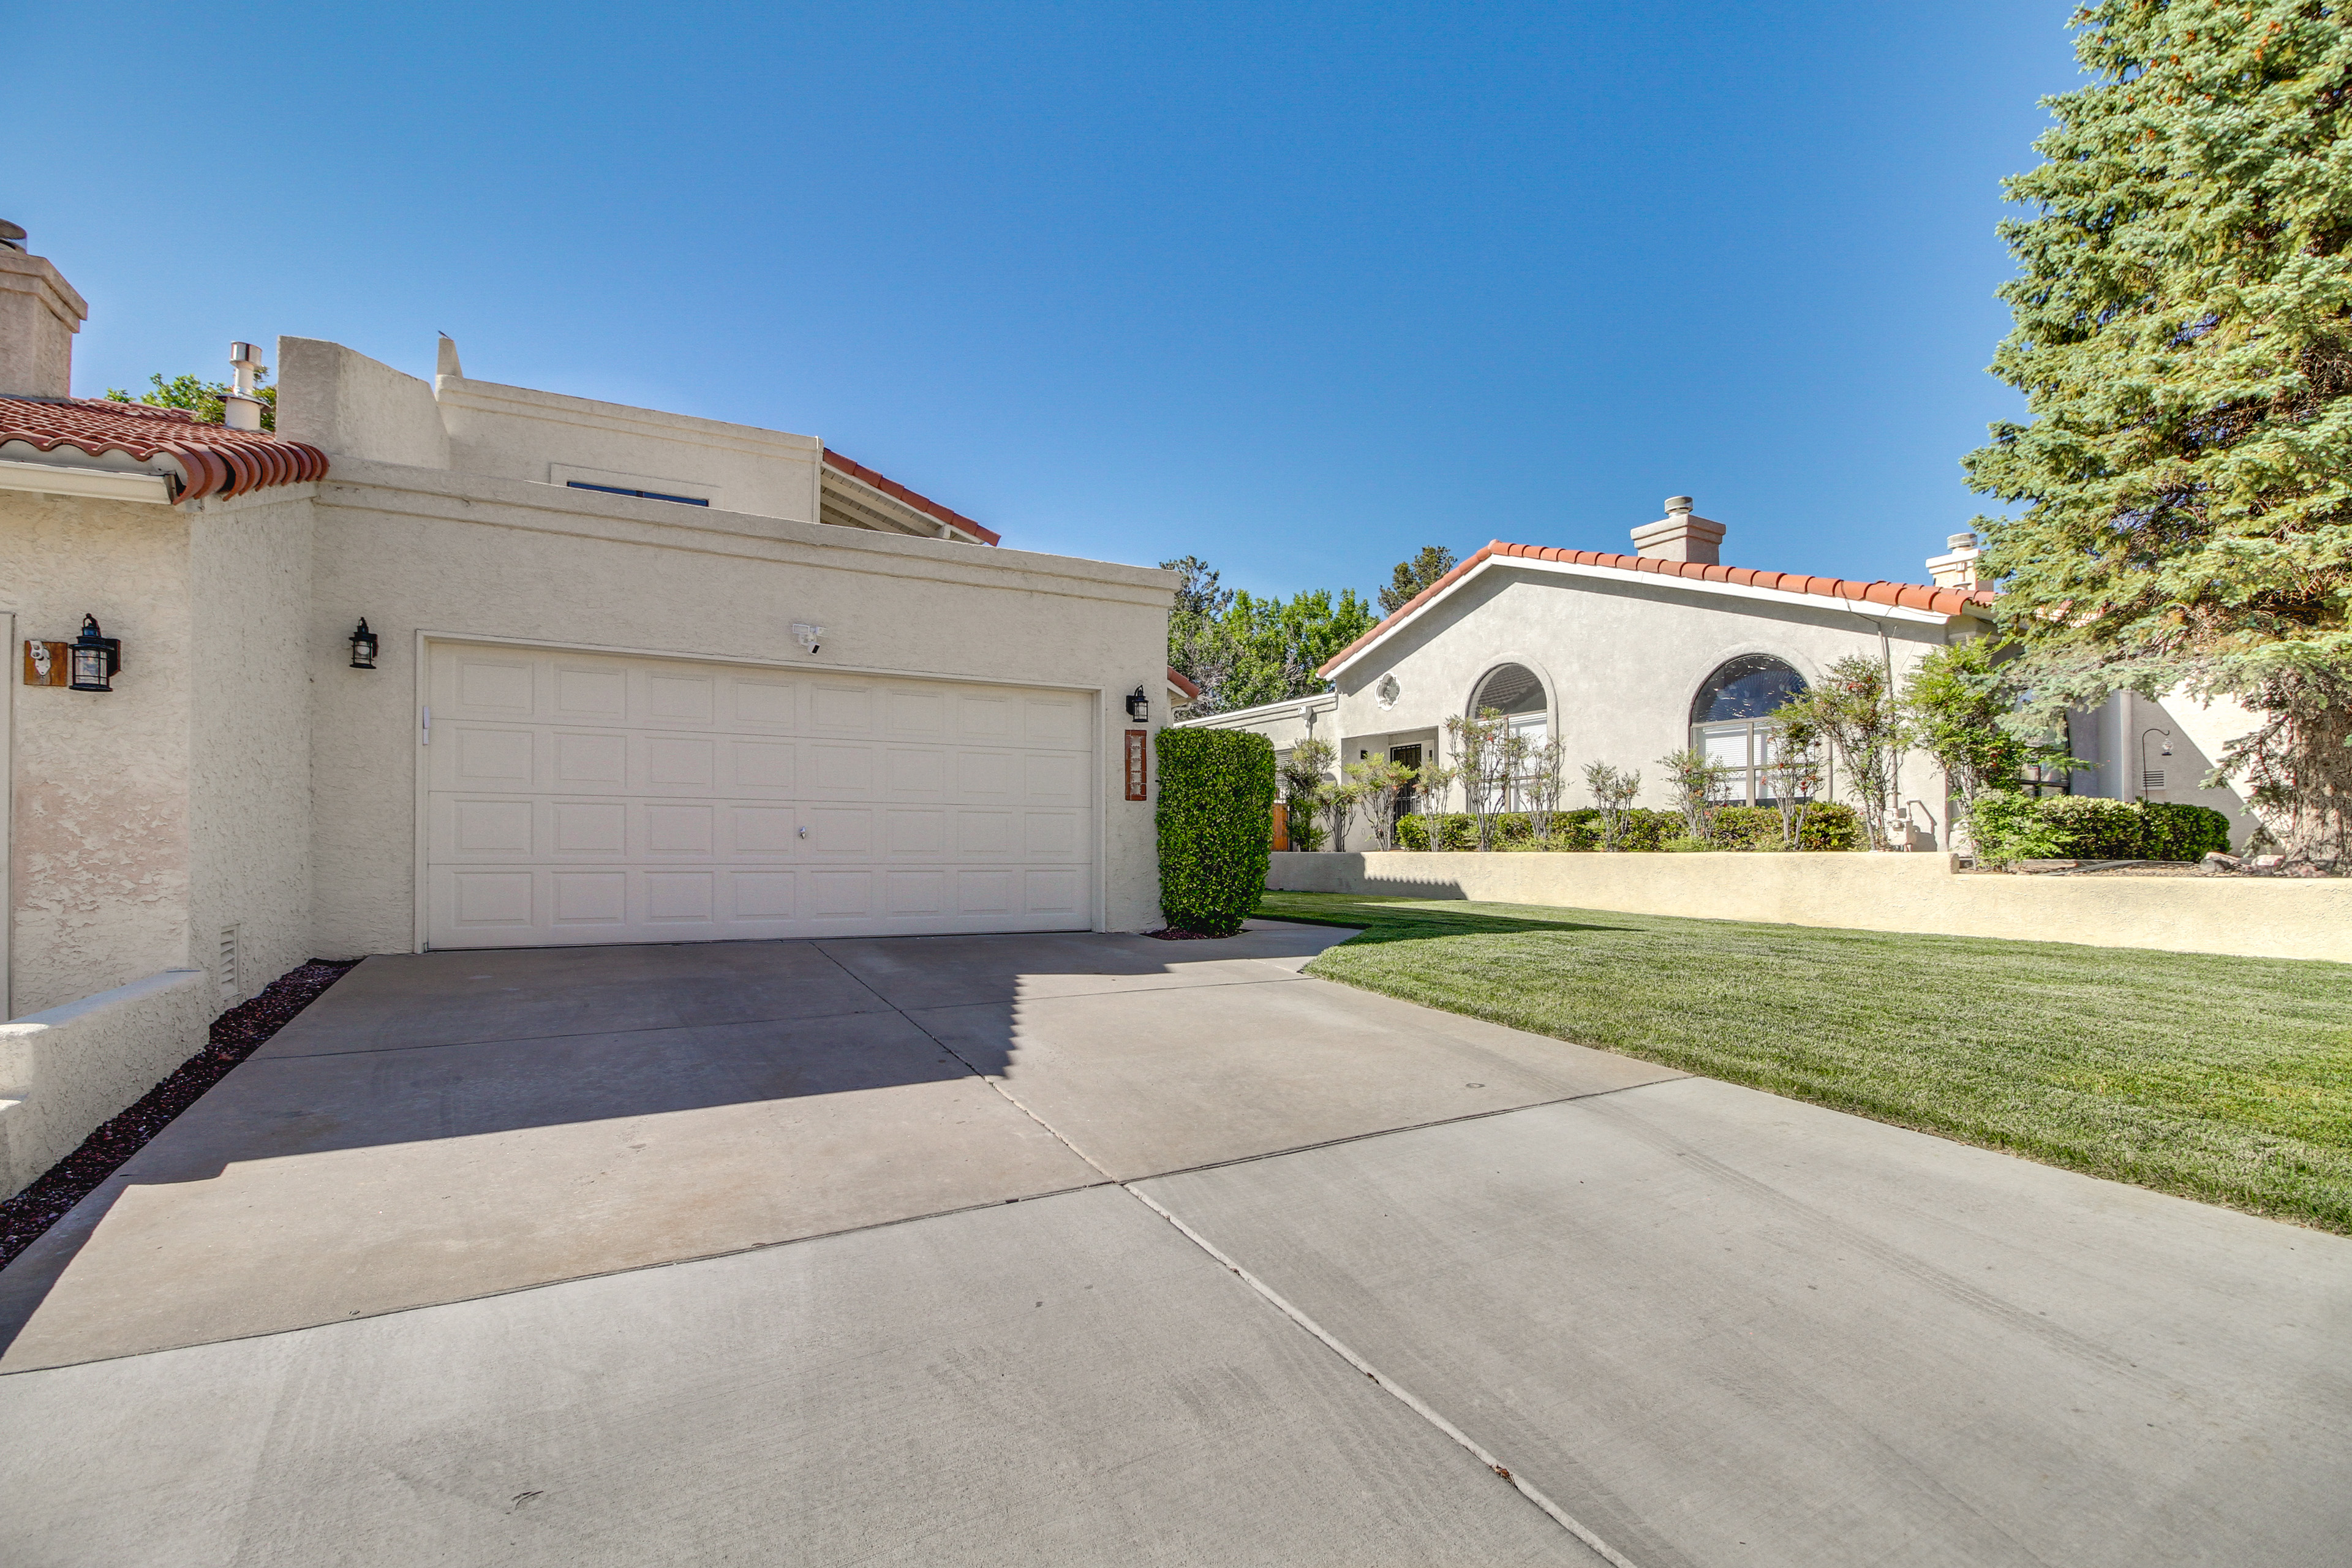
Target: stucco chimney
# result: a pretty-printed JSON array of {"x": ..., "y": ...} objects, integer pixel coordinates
[
  {"x": 1679, "y": 536},
  {"x": 39, "y": 314},
  {"x": 1959, "y": 569}
]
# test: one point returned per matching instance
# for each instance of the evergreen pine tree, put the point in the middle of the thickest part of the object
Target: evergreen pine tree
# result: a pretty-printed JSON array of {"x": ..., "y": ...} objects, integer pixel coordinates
[
  {"x": 2184, "y": 339},
  {"x": 1411, "y": 577}
]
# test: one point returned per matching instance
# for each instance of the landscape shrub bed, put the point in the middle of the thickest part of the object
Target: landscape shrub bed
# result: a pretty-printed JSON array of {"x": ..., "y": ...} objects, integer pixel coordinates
[
  {"x": 1827, "y": 828},
  {"x": 2007, "y": 827}
]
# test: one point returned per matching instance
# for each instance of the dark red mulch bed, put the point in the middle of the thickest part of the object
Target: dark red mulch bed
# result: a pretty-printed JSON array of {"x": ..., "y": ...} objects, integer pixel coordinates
[
  {"x": 1174, "y": 934},
  {"x": 236, "y": 1033}
]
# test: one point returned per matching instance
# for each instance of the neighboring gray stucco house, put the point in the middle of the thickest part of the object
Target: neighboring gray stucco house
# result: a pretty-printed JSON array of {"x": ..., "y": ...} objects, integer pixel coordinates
[
  {"x": 1627, "y": 658},
  {"x": 640, "y": 678}
]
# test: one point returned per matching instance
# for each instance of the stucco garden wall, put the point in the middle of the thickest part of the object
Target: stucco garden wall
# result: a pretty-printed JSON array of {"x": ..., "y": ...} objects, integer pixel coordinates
[
  {"x": 66, "y": 1070},
  {"x": 99, "y": 869},
  {"x": 1920, "y": 892},
  {"x": 465, "y": 555}
]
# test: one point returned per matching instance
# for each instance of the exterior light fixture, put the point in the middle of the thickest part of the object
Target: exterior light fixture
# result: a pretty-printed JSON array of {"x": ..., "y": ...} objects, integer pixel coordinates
[
  {"x": 808, "y": 636},
  {"x": 363, "y": 646},
  {"x": 1139, "y": 705},
  {"x": 95, "y": 657}
]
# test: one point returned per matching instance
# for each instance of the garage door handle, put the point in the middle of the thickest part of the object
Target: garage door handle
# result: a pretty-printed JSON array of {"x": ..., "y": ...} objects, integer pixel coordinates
[{"x": 803, "y": 832}]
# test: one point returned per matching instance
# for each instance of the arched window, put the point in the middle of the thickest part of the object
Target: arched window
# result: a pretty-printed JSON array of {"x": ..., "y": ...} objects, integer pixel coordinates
[
  {"x": 1517, "y": 693},
  {"x": 1731, "y": 719}
]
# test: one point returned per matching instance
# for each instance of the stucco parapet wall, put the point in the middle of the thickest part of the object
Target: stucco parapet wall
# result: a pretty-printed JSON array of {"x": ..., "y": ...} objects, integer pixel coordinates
[
  {"x": 66, "y": 1071},
  {"x": 450, "y": 496},
  {"x": 561, "y": 408},
  {"x": 1922, "y": 893}
]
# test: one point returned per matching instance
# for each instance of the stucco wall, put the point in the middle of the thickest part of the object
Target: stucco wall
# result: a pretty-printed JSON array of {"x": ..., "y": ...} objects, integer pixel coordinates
[
  {"x": 2258, "y": 919},
  {"x": 415, "y": 550},
  {"x": 100, "y": 864},
  {"x": 249, "y": 808},
  {"x": 65, "y": 1071},
  {"x": 515, "y": 432}
]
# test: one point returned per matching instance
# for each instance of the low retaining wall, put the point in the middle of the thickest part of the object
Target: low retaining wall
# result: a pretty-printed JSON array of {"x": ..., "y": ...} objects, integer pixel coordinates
[
  {"x": 66, "y": 1071},
  {"x": 2250, "y": 917}
]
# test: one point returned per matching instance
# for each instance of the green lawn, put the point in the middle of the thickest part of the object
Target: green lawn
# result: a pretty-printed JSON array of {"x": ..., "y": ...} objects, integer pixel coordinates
[{"x": 2223, "y": 1079}]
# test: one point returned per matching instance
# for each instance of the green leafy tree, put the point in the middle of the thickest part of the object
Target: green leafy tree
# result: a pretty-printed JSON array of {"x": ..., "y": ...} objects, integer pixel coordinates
[
  {"x": 1855, "y": 710},
  {"x": 1411, "y": 577},
  {"x": 1241, "y": 649},
  {"x": 1957, "y": 700},
  {"x": 207, "y": 400},
  {"x": 1304, "y": 780},
  {"x": 2184, "y": 339}
]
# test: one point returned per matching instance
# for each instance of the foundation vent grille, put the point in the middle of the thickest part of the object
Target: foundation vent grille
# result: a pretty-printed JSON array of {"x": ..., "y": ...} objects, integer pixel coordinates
[{"x": 232, "y": 983}]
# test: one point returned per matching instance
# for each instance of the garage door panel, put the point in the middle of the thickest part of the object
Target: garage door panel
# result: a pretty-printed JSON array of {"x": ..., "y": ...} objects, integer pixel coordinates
[
  {"x": 762, "y": 704},
  {"x": 590, "y": 694},
  {"x": 676, "y": 698},
  {"x": 915, "y": 713},
  {"x": 916, "y": 834},
  {"x": 841, "y": 710},
  {"x": 672, "y": 763},
  {"x": 589, "y": 759},
  {"x": 762, "y": 831},
  {"x": 493, "y": 829},
  {"x": 480, "y": 757},
  {"x": 590, "y": 798},
  {"x": 1053, "y": 722},
  {"x": 503, "y": 686},
  {"x": 988, "y": 720},
  {"x": 987, "y": 777},
  {"x": 1054, "y": 780},
  {"x": 908, "y": 773},
  {"x": 763, "y": 767},
  {"x": 589, "y": 898},
  {"x": 596, "y": 827},
  {"x": 838, "y": 832}
]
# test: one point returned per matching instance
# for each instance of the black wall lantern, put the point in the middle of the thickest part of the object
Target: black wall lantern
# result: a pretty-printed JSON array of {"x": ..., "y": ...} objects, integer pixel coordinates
[
  {"x": 95, "y": 658},
  {"x": 363, "y": 646},
  {"x": 1139, "y": 706}
]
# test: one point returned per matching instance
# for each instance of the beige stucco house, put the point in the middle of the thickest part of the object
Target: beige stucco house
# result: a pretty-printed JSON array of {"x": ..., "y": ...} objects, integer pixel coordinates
[
  {"x": 637, "y": 678},
  {"x": 1625, "y": 657}
]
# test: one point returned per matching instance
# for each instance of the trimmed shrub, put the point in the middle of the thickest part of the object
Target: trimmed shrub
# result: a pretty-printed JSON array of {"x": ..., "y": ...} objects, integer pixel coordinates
[
  {"x": 1216, "y": 826},
  {"x": 2177, "y": 831},
  {"x": 1827, "y": 828},
  {"x": 2007, "y": 827}
]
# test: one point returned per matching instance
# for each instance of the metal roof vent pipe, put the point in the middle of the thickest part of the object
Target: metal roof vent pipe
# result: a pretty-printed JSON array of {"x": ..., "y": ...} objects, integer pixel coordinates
[
  {"x": 1679, "y": 536},
  {"x": 242, "y": 409}
]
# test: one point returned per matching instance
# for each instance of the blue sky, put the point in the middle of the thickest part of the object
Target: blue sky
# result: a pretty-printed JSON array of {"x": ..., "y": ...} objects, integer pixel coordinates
[{"x": 1295, "y": 287}]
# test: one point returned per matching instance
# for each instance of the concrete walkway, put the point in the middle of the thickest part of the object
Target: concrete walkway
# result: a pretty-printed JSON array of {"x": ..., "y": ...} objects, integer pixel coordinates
[{"x": 1090, "y": 1249}]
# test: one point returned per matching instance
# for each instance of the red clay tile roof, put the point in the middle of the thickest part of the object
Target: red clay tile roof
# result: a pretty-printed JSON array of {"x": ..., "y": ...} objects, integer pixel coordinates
[
  {"x": 833, "y": 459},
  {"x": 1910, "y": 595},
  {"x": 214, "y": 459},
  {"x": 1176, "y": 679}
]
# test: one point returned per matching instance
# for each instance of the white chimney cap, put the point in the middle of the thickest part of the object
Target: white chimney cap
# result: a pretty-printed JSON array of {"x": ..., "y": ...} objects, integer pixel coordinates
[
  {"x": 1679, "y": 503},
  {"x": 244, "y": 353}
]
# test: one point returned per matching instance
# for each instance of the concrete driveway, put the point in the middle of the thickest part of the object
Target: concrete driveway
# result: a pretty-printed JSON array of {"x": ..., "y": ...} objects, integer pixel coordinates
[{"x": 1092, "y": 1249}]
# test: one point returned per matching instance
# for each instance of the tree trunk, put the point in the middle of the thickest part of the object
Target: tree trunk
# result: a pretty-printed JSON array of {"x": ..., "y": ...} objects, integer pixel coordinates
[{"x": 2299, "y": 765}]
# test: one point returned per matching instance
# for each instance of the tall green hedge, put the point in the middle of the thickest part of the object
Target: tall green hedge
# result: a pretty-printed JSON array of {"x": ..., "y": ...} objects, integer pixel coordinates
[
  {"x": 2089, "y": 828},
  {"x": 1216, "y": 826}
]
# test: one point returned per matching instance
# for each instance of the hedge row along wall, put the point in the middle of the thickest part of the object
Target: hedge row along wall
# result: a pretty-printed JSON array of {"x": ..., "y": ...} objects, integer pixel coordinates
[
  {"x": 1216, "y": 826},
  {"x": 1828, "y": 825},
  {"x": 2090, "y": 827}
]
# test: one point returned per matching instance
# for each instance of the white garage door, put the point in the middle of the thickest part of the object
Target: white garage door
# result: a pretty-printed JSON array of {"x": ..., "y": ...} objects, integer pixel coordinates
[{"x": 593, "y": 798}]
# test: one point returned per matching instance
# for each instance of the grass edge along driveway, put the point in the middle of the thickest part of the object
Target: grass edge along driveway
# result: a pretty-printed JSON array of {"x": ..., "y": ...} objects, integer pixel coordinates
[{"x": 2226, "y": 1080}]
